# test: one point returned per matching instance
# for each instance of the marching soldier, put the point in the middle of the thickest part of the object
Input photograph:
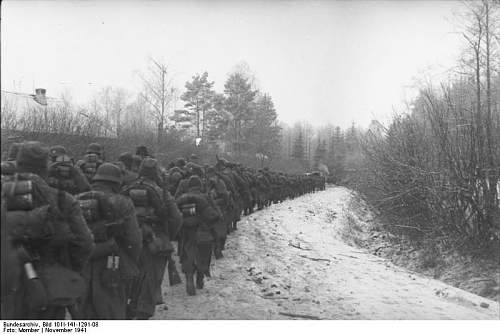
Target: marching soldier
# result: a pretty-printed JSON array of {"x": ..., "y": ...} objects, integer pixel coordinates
[
  {"x": 190, "y": 169},
  {"x": 114, "y": 261},
  {"x": 129, "y": 175},
  {"x": 173, "y": 178},
  {"x": 91, "y": 161},
  {"x": 158, "y": 218},
  {"x": 216, "y": 189},
  {"x": 50, "y": 237},
  {"x": 63, "y": 174},
  {"x": 10, "y": 259},
  {"x": 142, "y": 152},
  {"x": 196, "y": 234}
]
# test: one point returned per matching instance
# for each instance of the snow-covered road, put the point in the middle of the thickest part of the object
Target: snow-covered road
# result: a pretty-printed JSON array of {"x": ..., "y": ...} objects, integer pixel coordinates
[{"x": 290, "y": 261}]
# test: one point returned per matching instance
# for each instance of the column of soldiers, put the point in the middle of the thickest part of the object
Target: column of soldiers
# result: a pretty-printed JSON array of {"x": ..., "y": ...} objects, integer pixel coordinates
[{"x": 92, "y": 239}]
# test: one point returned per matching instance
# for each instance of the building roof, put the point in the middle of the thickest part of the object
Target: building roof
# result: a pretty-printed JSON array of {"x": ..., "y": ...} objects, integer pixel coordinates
[{"x": 20, "y": 102}]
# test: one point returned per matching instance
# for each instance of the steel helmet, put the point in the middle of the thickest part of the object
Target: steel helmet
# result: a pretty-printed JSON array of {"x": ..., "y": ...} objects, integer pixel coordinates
[{"x": 108, "y": 172}]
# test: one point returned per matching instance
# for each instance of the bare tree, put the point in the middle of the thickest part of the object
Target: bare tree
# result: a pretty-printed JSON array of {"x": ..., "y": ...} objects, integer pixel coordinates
[{"x": 159, "y": 93}]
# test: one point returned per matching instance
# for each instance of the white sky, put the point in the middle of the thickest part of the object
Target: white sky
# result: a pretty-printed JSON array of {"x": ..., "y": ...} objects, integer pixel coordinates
[{"x": 323, "y": 62}]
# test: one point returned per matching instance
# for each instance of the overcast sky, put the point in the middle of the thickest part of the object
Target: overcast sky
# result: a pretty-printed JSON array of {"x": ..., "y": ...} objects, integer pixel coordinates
[{"x": 320, "y": 61}]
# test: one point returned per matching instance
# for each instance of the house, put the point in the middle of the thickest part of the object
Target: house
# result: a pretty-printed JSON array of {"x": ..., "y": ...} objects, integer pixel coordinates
[{"x": 21, "y": 102}]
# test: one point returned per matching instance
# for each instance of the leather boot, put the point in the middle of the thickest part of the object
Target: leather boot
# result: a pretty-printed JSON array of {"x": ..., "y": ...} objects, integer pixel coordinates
[
  {"x": 218, "y": 249},
  {"x": 199, "y": 280},
  {"x": 173, "y": 274},
  {"x": 190, "y": 284}
]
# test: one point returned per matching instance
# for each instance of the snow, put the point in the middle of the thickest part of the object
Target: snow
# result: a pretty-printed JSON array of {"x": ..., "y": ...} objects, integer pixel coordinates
[{"x": 292, "y": 258}]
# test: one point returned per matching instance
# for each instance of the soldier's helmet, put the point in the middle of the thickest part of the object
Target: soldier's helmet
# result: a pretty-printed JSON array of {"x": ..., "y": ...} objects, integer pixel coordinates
[
  {"x": 57, "y": 151},
  {"x": 142, "y": 151},
  {"x": 180, "y": 162},
  {"x": 127, "y": 159},
  {"x": 95, "y": 148},
  {"x": 108, "y": 172},
  {"x": 149, "y": 168},
  {"x": 33, "y": 156},
  {"x": 194, "y": 169},
  {"x": 194, "y": 182}
]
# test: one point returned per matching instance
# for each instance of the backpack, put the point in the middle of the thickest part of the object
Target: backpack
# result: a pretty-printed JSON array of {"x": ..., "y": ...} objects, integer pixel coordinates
[
  {"x": 91, "y": 162},
  {"x": 147, "y": 199},
  {"x": 192, "y": 206},
  {"x": 25, "y": 199},
  {"x": 61, "y": 176},
  {"x": 197, "y": 213},
  {"x": 98, "y": 213},
  {"x": 98, "y": 209},
  {"x": 214, "y": 193},
  {"x": 8, "y": 167}
]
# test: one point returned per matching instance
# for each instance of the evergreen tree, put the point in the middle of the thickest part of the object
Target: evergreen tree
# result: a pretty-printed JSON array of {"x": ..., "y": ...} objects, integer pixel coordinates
[
  {"x": 320, "y": 153},
  {"x": 264, "y": 133},
  {"x": 298, "y": 150},
  {"x": 239, "y": 102},
  {"x": 199, "y": 100},
  {"x": 217, "y": 119}
]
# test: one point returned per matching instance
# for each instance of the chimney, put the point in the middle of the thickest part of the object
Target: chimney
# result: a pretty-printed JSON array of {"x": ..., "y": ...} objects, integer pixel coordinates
[{"x": 40, "y": 96}]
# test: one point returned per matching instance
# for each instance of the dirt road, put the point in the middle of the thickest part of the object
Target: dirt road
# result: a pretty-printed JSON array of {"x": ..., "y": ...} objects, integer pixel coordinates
[{"x": 290, "y": 262}]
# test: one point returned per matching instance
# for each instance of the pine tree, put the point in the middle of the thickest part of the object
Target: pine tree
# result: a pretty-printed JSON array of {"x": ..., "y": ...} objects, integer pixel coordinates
[
  {"x": 298, "y": 150},
  {"x": 320, "y": 153},
  {"x": 264, "y": 133},
  {"x": 199, "y": 100},
  {"x": 239, "y": 103}
]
